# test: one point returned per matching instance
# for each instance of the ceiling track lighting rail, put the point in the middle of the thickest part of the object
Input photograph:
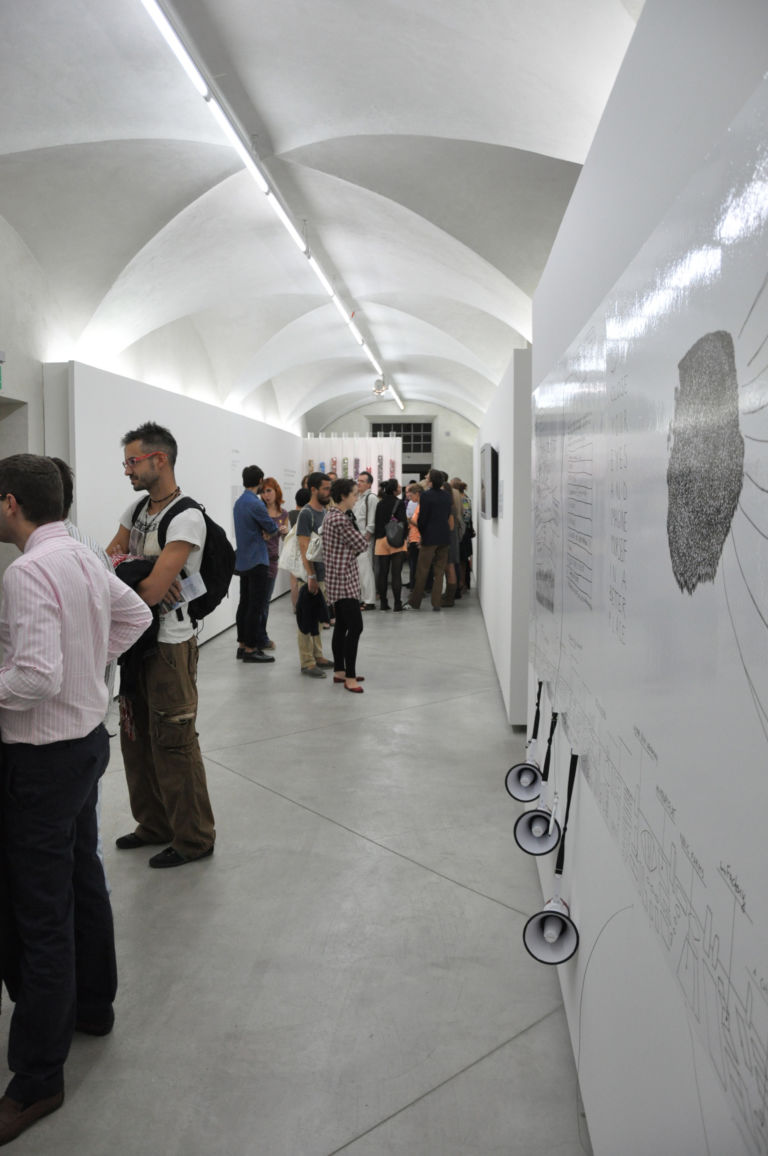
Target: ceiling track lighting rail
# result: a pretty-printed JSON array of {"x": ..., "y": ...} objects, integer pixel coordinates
[{"x": 237, "y": 140}]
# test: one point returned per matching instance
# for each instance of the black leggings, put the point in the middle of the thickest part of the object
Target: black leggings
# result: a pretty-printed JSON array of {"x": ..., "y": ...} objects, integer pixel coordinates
[
  {"x": 346, "y": 634},
  {"x": 382, "y": 574}
]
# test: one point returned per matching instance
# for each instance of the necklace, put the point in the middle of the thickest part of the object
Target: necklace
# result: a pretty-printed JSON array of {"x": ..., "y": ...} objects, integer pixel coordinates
[
  {"x": 145, "y": 523},
  {"x": 161, "y": 501}
]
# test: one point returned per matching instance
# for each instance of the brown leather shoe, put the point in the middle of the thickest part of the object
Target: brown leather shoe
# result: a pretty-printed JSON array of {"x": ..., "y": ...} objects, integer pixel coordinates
[{"x": 15, "y": 1118}]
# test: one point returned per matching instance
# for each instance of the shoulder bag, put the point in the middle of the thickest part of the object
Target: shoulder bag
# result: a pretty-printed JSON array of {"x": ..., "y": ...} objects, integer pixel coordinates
[{"x": 395, "y": 530}]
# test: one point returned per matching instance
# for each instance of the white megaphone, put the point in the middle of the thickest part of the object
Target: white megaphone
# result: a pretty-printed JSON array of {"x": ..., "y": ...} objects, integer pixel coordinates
[
  {"x": 524, "y": 780},
  {"x": 551, "y": 936},
  {"x": 538, "y": 832}
]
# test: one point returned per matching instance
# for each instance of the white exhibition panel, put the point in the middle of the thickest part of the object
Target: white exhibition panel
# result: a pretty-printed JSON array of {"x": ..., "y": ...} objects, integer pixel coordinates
[
  {"x": 503, "y": 545},
  {"x": 348, "y": 456},
  {"x": 650, "y": 631},
  {"x": 214, "y": 446}
]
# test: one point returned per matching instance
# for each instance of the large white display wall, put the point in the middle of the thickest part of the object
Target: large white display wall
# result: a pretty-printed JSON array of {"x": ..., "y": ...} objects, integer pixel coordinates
[
  {"x": 503, "y": 544},
  {"x": 89, "y": 410},
  {"x": 650, "y": 633},
  {"x": 347, "y": 456}
]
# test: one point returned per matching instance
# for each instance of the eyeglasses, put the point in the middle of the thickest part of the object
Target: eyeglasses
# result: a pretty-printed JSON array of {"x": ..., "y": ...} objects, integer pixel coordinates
[{"x": 129, "y": 463}]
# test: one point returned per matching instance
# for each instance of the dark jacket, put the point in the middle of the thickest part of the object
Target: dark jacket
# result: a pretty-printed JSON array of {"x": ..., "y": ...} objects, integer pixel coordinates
[
  {"x": 311, "y": 610},
  {"x": 384, "y": 509},
  {"x": 435, "y": 508},
  {"x": 132, "y": 573}
]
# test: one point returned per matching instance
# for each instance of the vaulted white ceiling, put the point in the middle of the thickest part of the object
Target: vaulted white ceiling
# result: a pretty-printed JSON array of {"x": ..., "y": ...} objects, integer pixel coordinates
[{"x": 426, "y": 149}]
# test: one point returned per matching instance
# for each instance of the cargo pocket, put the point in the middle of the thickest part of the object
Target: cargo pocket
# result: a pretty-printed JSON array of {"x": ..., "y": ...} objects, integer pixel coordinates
[{"x": 174, "y": 731}]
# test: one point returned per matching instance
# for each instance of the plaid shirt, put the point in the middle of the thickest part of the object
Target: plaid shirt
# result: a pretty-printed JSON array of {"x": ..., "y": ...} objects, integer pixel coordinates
[{"x": 342, "y": 542}]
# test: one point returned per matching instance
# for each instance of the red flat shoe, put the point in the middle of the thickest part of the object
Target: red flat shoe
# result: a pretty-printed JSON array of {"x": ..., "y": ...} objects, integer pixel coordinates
[
  {"x": 354, "y": 689},
  {"x": 342, "y": 678}
]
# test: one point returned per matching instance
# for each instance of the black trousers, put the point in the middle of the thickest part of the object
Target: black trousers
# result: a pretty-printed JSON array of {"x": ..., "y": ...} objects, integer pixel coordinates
[
  {"x": 382, "y": 574},
  {"x": 59, "y": 904},
  {"x": 413, "y": 561},
  {"x": 251, "y": 611},
  {"x": 346, "y": 635}
]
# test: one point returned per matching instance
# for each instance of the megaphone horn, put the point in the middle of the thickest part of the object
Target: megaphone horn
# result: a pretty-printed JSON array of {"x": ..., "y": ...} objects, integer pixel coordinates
[
  {"x": 551, "y": 936},
  {"x": 523, "y": 781},
  {"x": 537, "y": 832}
]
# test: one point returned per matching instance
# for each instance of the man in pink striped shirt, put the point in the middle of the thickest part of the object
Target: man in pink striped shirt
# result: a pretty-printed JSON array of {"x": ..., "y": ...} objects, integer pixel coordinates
[{"x": 63, "y": 617}]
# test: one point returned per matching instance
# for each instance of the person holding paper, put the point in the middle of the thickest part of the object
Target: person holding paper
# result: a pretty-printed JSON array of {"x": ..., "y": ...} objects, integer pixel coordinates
[{"x": 164, "y": 768}]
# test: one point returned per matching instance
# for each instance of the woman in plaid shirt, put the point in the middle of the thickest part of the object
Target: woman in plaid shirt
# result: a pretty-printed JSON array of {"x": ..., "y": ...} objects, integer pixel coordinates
[{"x": 342, "y": 542}]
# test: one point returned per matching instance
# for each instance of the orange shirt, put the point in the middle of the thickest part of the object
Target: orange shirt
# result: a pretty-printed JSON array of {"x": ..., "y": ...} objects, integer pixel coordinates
[{"x": 413, "y": 533}]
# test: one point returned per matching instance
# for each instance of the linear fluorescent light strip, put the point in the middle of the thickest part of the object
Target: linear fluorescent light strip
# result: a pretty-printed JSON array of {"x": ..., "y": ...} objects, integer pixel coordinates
[
  {"x": 341, "y": 309},
  {"x": 172, "y": 39},
  {"x": 396, "y": 396},
  {"x": 282, "y": 216},
  {"x": 174, "y": 43},
  {"x": 373, "y": 360},
  {"x": 234, "y": 138},
  {"x": 321, "y": 277},
  {"x": 355, "y": 332}
]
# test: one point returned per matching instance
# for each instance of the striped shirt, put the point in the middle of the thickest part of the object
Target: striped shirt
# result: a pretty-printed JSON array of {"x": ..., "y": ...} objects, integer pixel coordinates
[
  {"x": 64, "y": 616},
  {"x": 342, "y": 542},
  {"x": 110, "y": 674}
]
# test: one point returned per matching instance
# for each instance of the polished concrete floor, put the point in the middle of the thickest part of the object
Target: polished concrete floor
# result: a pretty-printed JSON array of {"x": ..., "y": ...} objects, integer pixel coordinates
[{"x": 346, "y": 974}]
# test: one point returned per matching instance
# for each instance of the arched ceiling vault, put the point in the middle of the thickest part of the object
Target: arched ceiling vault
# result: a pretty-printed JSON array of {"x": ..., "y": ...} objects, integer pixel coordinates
[{"x": 428, "y": 151}]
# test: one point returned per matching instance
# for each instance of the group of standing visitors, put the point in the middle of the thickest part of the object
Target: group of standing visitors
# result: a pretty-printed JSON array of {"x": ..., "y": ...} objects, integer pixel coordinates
[
  {"x": 366, "y": 539},
  {"x": 70, "y": 609}
]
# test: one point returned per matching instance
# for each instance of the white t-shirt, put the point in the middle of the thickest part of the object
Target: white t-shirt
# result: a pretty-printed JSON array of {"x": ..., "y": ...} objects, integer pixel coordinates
[{"x": 187, "y": 526}]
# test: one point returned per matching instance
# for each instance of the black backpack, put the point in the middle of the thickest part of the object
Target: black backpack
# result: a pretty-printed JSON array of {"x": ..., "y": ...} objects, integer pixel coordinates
[{"x": 217, "y": 564}]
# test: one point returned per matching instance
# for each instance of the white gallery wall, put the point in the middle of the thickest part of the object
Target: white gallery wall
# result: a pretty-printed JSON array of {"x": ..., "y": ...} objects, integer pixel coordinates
[
  {"x": 453, "y": 435},
  {"x": 650, "y": 622},
  {"x": 503, "y": 545},
  {"x": 87, "y": 412},
  {"x": 382, "y": 457}
]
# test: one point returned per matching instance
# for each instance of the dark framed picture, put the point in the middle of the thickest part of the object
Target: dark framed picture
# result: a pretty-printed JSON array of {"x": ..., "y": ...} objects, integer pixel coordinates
[{"x": 489, "y": 481}]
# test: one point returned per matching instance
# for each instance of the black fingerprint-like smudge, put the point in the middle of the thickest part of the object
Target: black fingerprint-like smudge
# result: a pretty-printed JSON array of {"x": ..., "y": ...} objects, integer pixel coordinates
[{"x": 706, "y": 462}]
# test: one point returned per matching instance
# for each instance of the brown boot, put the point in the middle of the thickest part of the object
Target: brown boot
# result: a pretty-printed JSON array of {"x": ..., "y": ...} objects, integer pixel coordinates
[{"x": 449, "y": 596}]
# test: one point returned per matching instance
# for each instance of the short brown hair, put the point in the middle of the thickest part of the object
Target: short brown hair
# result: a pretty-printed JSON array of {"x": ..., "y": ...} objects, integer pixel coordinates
[
  {"x": 153, "y": 437},
  {"x": 35, "y": 483}
]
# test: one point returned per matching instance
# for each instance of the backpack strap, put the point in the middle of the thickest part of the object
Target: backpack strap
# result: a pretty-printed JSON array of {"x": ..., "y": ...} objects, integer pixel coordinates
[
  {"x": 137, "y": 509},
  {"x": 179, "y": 507}
]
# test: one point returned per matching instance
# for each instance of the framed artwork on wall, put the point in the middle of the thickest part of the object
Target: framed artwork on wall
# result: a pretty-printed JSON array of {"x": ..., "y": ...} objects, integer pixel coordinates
[{"x": 489, "y": 481}]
